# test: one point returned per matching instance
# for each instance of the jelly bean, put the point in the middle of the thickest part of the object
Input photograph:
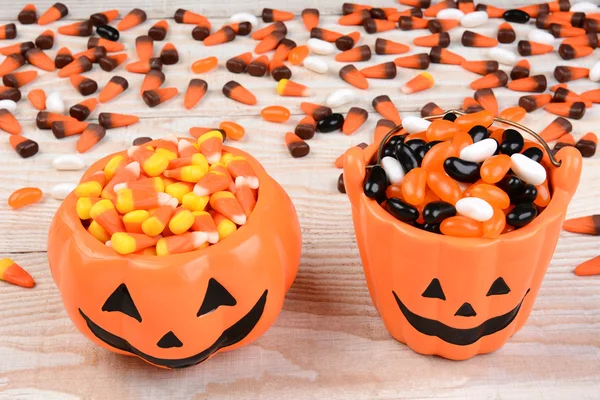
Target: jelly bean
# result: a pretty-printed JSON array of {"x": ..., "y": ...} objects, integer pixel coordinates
[
  {"x": 480, "y": 151},
  {"x": 433, "y": 228},
  {"x": 61, "y": 190},
  {"x": 330, "y": 123},
  {"x": 461, "y": 170},
  {"x": 450, "y": 13},
  {"x": 24, "y": 197},
  {"x": 232, "y": 130},
  {"x": 108, "y": 33},
  {"x": 493, "y": 227},
  {"x": 401, "y": 210},
  {"x": 393, "y": 170},
  {"x": 478, "y": 133},
  {"x": 414, "y": 185},
  {"x": 495, "y": 196},
  {"x": 406, "y": 156},
  {"x": 316, "y": 64},
  {"x": 461, "y": 226},
  {"x": 376, "y": 184},
  {"x": 437, "y": 211},
  {"x": 534, "y": 153},
  {"x": 543, "y": 195},
  {"x": 517, "y": 16},
  {"x": 495, "y": 168},
  {"x": 475, "y": 208},
  {"x": 527, "y": 195},
  {"x": 450, "y": 117},
  {"x": 521, "y": 215},
  {"x": 474, "y": 19},
  {"x": 503, "y": 56},
  {"x": 415, "y": 144},
  {"x": 55, "y": 103},
  {"x": 434, "y": 159},
  {"x": 511, "y": 185},
  {"x": 244, "y": 17},
  {"x": 394, "y": 191},
  {"x": 68, "y": 163},
  {"x": 540, "y": 36},
  {"x": 340, "y": 97},
  {"x": 444, "y": 187},
  {"x": 527, "y": 169},
  {"x": 320, "y": 47},
  {"x": 275, "y": 114},
  {"x": 415, "y": 124},
  {"x": 441, "y": 130},
  {"x": 461, "y": 140},
  {"x": 594, "y": 74}
]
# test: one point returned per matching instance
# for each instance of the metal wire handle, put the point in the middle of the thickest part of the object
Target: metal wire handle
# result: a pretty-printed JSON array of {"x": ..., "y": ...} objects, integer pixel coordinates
[{"x": 459, "y": 112}]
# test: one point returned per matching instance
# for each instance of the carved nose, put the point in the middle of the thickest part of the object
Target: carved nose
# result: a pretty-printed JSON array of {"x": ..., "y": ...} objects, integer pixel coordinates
[
  {"x": 169, "y": 340},
  {"x": 466, "y": 310}
]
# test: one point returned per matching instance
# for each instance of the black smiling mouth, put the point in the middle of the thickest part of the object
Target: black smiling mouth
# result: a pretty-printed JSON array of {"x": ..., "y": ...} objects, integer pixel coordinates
[
  {"x": 230, "y": 336},
  {"x": 460, "y": 337}
]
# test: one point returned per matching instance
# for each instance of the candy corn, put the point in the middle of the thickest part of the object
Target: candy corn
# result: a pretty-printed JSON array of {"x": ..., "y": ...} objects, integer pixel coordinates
[{"x": 11, "y": 272}]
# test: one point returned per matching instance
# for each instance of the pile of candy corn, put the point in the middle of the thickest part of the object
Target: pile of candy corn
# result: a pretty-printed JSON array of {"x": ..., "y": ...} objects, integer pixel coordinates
[{"x": 169, "y": 196}]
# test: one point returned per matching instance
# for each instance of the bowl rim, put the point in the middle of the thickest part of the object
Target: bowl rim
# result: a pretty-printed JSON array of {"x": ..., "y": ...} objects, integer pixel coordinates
[{"x": 94, "y": 248}]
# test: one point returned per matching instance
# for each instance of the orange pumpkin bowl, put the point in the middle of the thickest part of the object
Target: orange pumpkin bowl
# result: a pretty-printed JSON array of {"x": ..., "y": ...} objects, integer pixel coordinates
[
  {"x": 498, "y": 278},
  {"x": 150, "y": 306}
]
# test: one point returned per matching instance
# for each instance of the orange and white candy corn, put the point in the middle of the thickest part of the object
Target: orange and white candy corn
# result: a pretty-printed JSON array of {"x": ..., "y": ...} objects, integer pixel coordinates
[{"x": 226, "y": 204}]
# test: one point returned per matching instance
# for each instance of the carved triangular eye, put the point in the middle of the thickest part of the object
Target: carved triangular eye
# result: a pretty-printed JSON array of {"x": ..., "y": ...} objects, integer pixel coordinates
[
  {"x": 216, "y": 296},
  {"x": 498, "y": 287},
  {"x": 120, "y": 300},
  {"x": 434, "y": 290}
]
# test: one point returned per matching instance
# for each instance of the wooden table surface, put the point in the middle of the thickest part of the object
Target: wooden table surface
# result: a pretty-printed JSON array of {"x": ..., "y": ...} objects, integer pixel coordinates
[{"x": 329, "y": 341}]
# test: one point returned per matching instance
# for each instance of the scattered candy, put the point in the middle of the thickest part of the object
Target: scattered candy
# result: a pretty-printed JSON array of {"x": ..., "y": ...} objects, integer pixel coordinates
[
  {"x": 13, "y": 273},
  {"x": 62, "y": 190},
  {"x": 24, "y": 197}
]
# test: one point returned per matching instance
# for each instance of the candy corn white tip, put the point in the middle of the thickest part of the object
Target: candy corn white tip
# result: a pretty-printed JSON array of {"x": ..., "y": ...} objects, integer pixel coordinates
[
  {"x": 239, "y": 219},
  {"x": 213, "y": 237},
  {"x": 120, "y": 186},
  {"x": 213, "y": 158},
  {"x": 163, "y": 198},
  {"x": 132, "y": 150},
  {"x": 173, "y": 203},
  {"x": 200, "y": 191},
  {"x": 198, "y": 238},
  {"x": 170, "y": 137},
  {"x": 252, "y": 181},
  {"x": 108, "y": 244}
]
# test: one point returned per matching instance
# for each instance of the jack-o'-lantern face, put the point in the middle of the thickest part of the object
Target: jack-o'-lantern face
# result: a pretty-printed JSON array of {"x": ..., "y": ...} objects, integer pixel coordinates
[
  {"x": 216, "y": 297},
  {"x": 458, "y": 336}
]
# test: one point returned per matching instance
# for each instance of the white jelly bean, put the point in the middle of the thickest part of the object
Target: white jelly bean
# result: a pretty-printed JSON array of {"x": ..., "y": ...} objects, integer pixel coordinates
[
  {"x": 316, "y": 64},
  {"x": 595, "y": 72},
  {"x": 540, "y": 36},
  {"x": 62, "y": 190},
  {"x": 392, "y": 169},
  {"x": 415, "y": 124},
  {"x": 528, "y": 170},
  {"x": 584, "y": 6},
  {"x": 55, "y": 103},
  {"x": 475, "y": 208},
  {"x": 319, "y": 46},
  {"x": 480, "y": 151},
  {"x": 244, "y": 17},
  {"x": 69, "y": 162},
  {"x": 503, "y": 56},
  {"x": 8, "y": 105},
  {"x": 474, "y": 19},
  {"x": 450, "y": 13},
  {"x": 340, "y": 97}
]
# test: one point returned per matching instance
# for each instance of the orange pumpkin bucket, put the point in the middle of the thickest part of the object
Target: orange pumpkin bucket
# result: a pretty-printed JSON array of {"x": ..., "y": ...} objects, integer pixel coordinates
[
  {"x": 418, "y": 280},
  {"x": 179, "y": 310}
]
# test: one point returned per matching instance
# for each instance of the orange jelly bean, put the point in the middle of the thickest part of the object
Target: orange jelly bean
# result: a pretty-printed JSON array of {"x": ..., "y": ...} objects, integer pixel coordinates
[
  {"x": 414, "y": 185},
  {"x": 492, "y": 194},
  {"x": 461, "y": 140},
  {"x": 24, "y": 197},
  {"x": 204, "y": 65},
  {"x": 494, "y": 168},
  {"x": 434, "y": 159},
  {"x": 441, "y": 129},
  {"x": 413, "y": 136},
  {"x": 275, "y": 114},
  {"x": 394, "y": 191},
  {"x": 232, "y": 130},
  {"x": 467, "y": 121},
  {"x": 444, "y": 187},
  {"x": 493, "y": 227},
  {"x": 514, "y": 114},
  {"x": 461, "y": 226},
  {"x": 297, "y": 55},
  {"x": 543, "y": 195}
]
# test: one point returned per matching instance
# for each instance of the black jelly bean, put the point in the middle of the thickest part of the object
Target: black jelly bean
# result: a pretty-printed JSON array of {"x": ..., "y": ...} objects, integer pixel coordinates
[
  {"x": 401, "y": 210},
  {"x": 516, "y": 16},
  {"x": 433, "y": 228},
  {"x": 330, "y": 123},
  {"x": 512, "y": 142},
  {"x": 521, "y": 215},
  {"x": 407, "y": 157},
  {"x": 478, "y": 133},
  {"x": 511, "y": 184},
  {"x": 461, "y": 170},
  {"x": 534, "y": 153},
  {"x": 437, "y": 211},
  {"x": 527, "y": 195},
  {"x": 340, "y": 184},
  {"x": 376, "y": 184},
  {"x": 414, "y": 144},
  {"x": 396, "y": 139},
  {"x": 497, "y": 147},
  {"x": 389, "y": 150},
  {"x": 107, "y": 32},
  {"x": 450, "y": 117}
]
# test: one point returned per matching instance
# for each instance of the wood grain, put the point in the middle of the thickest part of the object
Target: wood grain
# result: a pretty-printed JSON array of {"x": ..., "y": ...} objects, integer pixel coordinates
[{"x": 329, "y": 341}]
